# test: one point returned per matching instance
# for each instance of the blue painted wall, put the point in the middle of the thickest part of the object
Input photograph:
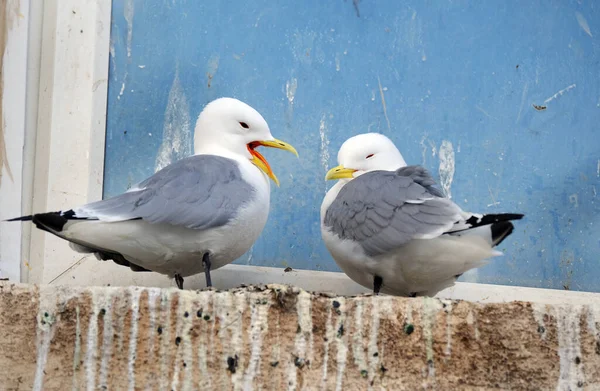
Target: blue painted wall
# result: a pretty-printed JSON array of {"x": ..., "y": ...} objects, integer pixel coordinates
[{"x": 459, "y": 80}]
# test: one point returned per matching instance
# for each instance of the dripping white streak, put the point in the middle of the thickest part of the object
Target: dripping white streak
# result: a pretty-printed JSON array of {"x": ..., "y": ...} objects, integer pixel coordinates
[
  {"x": 107, "y": 338},
  {"x": 341, "y": 344},
  {"x": 165, "y": 339},
  {"x": 568, "y": 318},
  {"x": 290, "y": 90},
  {"x": 45, "y": 333},
  {"x": 135, "y": 309},
  {"x": 357, "y": 337},
  {"x": 373, "y": 348},
  {"x": 324, "y": 149},
  {"x": 202, "y": 346},
  {"x": 448, "y": 327},
  {"x": 91, "y": 349},
  {"x": 77, "y": 351},
  {"x": 329, "y": 337},
  {"x": 258, "y": 327}
]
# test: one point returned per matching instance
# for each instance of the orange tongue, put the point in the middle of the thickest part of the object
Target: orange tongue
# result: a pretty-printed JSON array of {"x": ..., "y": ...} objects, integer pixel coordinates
[{"x": 259, "y": 157}]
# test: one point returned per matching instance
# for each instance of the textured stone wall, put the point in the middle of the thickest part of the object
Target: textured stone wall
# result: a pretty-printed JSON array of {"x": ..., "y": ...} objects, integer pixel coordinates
[{"x": 278, "y": 337}]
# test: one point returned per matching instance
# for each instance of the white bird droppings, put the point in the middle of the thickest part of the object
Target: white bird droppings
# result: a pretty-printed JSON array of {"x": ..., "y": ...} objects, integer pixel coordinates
[
  {"x": 583, "y": 23},
  {"x": 290, "y": 89},
  {"x": 569, "y": 347},
  {"x": 177, "y": 137},
  {"x": 446, "y": 168}
]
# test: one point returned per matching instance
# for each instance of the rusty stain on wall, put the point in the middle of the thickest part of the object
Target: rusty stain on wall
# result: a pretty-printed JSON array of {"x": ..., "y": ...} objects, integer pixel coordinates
[{"x": 9, "y": 14}]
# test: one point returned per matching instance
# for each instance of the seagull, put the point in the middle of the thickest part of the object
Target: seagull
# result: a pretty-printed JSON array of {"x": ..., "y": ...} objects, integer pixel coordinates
[
  {"x": 195, "y": 215},
  {"x": 391, "y": 230}
]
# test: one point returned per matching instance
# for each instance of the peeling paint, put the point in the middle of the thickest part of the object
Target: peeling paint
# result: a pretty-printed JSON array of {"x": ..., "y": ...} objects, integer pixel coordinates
[{"x": 446, "y": 168}]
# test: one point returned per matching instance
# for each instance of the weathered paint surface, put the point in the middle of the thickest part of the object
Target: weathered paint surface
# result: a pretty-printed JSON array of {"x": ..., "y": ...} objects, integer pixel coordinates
[
  {"x": 501, "y": 101},
  {"x": 279, "y": 337}
]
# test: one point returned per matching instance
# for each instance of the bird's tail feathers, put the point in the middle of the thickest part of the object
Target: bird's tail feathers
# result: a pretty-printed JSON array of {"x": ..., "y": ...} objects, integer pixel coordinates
[
  {"x": 22, "y": 218},
  {"x": 493, "y": 228}
]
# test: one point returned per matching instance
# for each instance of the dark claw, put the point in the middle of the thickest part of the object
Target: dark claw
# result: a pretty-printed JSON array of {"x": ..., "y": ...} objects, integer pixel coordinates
[
  {"x": 377, "y": 282},
  {"x": 179, "y": 281},
  {"x": 206, "y": 265}
]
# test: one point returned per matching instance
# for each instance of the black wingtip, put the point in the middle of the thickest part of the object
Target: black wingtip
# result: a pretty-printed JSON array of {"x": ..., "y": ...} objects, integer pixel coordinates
[
  {"x": 51, "y": 221},
  {"x": 501, "y": 231},
  {"x": 22, "y": 218},
  {"x": 493, "y": 218}
]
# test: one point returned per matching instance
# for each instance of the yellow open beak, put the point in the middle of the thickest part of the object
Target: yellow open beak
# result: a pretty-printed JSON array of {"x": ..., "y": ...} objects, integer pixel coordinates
[
  {"x": 260, "y": 161},
  {"x": 339, "y": 172}
]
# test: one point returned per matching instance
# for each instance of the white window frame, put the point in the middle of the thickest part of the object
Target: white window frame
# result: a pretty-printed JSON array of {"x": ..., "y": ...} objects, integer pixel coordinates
[{"x": 61, "y": 136}]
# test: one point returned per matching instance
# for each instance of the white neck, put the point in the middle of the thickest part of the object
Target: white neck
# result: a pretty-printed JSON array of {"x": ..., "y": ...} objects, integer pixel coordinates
[{"x": 331, "y": 196}]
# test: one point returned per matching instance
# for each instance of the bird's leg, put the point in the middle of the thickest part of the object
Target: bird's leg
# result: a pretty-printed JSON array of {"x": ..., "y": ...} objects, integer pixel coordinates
[
  {"x": 377, "y": 282},
  {"x": 179, "y": 280},
  {"x": 206, "y": 265}
]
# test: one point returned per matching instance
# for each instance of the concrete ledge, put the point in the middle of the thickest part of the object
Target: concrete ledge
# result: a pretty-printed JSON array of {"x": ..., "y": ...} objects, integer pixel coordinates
[{"x": 277, "y": 337}]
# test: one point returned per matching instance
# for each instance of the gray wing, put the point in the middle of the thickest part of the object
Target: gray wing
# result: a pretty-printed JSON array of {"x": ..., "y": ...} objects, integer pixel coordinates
[
  {"x": 198, "y": 192},
  {"x": 383, "y": 210}
]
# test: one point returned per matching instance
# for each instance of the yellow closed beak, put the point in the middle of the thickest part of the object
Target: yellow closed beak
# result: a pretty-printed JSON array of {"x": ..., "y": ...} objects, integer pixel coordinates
[
  {"x": 339, "y": 172},
  {"x": 260, "y": 161}
]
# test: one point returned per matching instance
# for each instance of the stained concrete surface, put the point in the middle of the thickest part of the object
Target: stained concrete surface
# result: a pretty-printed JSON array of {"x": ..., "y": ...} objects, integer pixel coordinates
[{"x": 279, "y": 337}]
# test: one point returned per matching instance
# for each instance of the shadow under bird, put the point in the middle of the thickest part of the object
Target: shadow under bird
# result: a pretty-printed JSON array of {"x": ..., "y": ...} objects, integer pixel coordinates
[
  {"x": 391, "y": 230},
  {"x": 195, "y": 215}
]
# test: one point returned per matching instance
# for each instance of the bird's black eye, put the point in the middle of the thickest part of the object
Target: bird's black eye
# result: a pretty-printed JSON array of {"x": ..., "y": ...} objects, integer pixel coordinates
[
  {"x": 369, "y": 156},
  {"x": 244, "y": 125}
]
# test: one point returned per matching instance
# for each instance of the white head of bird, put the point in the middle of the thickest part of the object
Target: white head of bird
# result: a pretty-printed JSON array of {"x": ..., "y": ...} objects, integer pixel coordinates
[
  {"x": 363, "y": 153},
  {"x": 232, "y": 128}
]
